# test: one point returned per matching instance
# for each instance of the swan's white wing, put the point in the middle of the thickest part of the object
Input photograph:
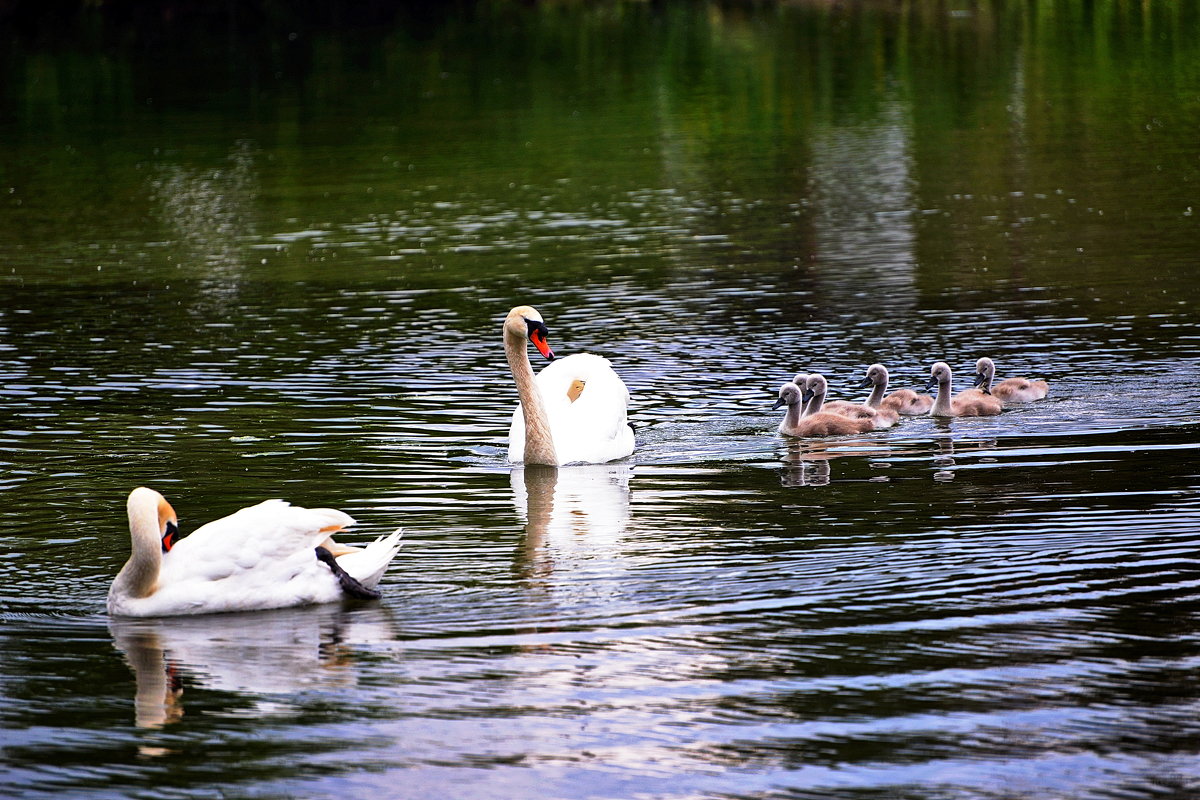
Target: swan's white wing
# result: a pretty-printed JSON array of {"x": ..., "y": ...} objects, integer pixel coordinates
[
  {"x": 594, "y": 428},
  {"x": 259, "y": 557}
]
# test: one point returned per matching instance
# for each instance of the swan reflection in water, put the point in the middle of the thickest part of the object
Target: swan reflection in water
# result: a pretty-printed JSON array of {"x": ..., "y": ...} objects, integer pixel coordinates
[
  {"x": 262, "y": 654},
  {"x": 574, "y": 516}
]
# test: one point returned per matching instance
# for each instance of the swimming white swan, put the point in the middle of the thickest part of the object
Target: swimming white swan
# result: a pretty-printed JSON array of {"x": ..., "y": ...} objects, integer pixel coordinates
[
  {"x": 965, "y": 404},
  {"x": 1010, "y": 390},
  {"x": 815, "y": 422},
  {"x": 880, "y": 417},
  {"x": 574, "y": 411},
  {"x": 902, "y": 401},
  {"x": 270, "y": 555}
]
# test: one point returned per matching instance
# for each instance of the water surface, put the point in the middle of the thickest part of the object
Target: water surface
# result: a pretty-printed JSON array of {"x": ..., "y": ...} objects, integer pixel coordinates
[{"x": 240, "y": 265}]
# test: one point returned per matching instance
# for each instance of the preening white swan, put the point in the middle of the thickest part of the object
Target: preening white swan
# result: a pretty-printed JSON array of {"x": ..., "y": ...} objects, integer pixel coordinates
[
  {"x": 902, "y": 401},
  {"x": 965, "y": 404},
  {"x": 270, "y": 555},
  {"x": 880, "y": 417},
  {"x": 815, "y": 422},
  {"x": 1010, "y": 390},
  {"x": 574, "y": 411}
]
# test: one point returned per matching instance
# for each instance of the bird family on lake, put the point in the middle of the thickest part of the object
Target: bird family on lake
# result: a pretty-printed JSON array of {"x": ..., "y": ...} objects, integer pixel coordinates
[
  {"x": 808, "y": 415},
  {"x": 575, "y": 410}
]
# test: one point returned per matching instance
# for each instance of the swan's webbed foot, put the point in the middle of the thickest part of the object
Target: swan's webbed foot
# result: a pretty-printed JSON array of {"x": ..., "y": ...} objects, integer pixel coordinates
[{"x": 350, "y": 585}]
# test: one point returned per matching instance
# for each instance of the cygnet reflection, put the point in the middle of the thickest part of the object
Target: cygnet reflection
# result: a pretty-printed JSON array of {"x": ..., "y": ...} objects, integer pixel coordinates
[
  {"x": 808, "y": 462},
  {"x": 947, "y": 447}
]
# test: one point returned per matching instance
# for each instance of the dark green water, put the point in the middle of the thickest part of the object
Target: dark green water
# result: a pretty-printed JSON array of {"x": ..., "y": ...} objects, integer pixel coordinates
[{"x": 268, "y": 257}]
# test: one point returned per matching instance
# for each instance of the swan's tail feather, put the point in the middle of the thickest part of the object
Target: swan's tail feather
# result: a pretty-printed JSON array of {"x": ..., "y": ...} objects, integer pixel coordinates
[
  {"x": 368, "y": 564},
  {"x": 351, "y": 587}
]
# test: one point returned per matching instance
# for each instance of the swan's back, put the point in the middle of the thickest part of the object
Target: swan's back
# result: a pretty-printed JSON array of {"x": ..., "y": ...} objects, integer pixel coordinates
[
  {"x": 908, "y": 402},
  {"x": 847, "y": 409},
  {"x": 586, "y": 403},
  {"x": 824, "y": 423},
  {"x": 1020, "y": 390},
  {"x": 973, "y": 403},
  {"x": 251, "y": 537}
]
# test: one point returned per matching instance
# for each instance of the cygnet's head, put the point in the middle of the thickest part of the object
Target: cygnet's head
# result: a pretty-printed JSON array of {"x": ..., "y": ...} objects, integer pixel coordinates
[
  {"x": 939, "y": 373},
  {"x": 789, "y": 395},
  {"x": 985, "y": 370},
  {"x": 877, "y": 375},
  {"x": 817, "y": 385},
  {"x": 800, "y": 379},
  {"x": 525, "y": 322}
]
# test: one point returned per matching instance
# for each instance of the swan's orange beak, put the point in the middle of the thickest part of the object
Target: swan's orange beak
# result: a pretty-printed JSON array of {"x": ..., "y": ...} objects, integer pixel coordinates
[
  {"x": 537, "y": 335},
  {"x": 170, "y": 536},
  {"x": 168, "y": 523},
  {"x": 539, "y": 341}
]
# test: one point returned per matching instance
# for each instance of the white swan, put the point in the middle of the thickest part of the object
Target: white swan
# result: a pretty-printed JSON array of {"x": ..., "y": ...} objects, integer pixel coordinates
[
  {"x": 1010, "y": 390},
  {"x": 815, "y": 422},
  {"x": 970, "y": 403},
  {"x": 902, "y": 401},
  {"x": 270, "y": 555},
  {"x": 574, "y": 411}
]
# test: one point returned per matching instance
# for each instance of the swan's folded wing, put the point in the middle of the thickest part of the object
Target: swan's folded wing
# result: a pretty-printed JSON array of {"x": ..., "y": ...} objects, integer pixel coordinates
[
  {"x": 273, "y": 539},
  {"x": 594, "y": 428}
]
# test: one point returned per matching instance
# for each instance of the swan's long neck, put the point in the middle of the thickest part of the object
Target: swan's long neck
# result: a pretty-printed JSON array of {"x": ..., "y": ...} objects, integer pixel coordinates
[
  {"x": 941, "y": 406},
  {"x": 139, "y": 576},
  {"x": 792, "y": 418},
  {"x": 877, "y": 390},
  {"x": 539, "y": 444},
  {"x": 815, "y": 404}
]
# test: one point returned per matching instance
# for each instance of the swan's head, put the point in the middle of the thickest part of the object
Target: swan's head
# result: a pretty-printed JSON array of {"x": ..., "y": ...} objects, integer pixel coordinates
[
  {"x": 801, "y": 379},
  {"x": 985, "y": 370},
  {"x": 142, "y": 500},
  {"x": 939, "y": 373},
  {"x": 525, "y": 322},
  {"x": 789, "y": 395},
  {"x": 877, "y": 375},
  {"x": 816, "y": 385}
]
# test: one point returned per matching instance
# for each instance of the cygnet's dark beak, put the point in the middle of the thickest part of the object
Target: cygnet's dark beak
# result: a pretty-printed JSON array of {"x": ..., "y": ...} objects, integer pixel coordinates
[
  {"x": 864, "y": 383},
  {"x": 979, "y": 378},
  {"x": 932, "y": 382},
  {"x": 807, "y": 395},
  {"x": 779, "y": 403}
]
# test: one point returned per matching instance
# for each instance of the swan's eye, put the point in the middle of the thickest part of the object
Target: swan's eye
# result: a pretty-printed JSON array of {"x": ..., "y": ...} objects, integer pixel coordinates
[{"x": 170, "y": 536}]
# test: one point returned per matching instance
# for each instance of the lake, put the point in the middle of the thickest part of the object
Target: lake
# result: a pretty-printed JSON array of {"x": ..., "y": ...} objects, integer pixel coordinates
[{"x": 268, "y": 253}]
